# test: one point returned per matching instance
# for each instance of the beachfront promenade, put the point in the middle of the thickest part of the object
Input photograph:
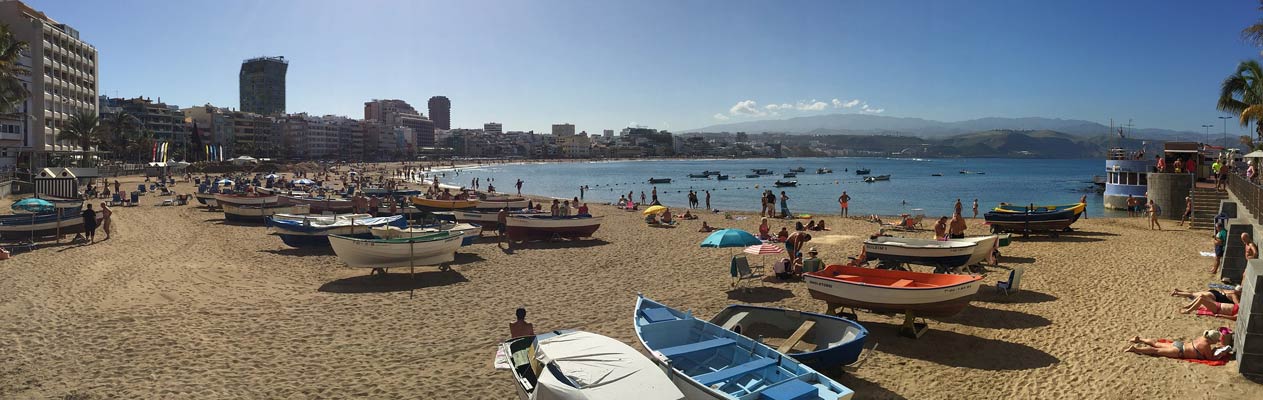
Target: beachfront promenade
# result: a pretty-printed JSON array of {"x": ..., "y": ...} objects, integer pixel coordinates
[{"x": 181, "y": 304}]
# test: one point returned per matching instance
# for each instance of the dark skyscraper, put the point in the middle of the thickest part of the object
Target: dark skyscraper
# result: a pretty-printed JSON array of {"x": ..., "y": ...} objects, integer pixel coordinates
[
  {"x": 263, "y": 85},
  {"x": 441, "y": 112}
]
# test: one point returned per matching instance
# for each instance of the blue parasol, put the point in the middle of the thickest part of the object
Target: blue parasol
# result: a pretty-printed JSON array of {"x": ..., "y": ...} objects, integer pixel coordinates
[
  {"x": 34, "y": 205},
  {"x": 731, "y": 238}
]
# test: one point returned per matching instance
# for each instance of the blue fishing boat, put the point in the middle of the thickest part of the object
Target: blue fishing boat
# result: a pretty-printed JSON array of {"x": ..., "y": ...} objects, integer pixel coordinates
[
  {"x": 706, "y": 361},
  {"x": 301, "y": 231},
  {"x": 1039, "y": 220},
  {"x": 821, "y": 341}
]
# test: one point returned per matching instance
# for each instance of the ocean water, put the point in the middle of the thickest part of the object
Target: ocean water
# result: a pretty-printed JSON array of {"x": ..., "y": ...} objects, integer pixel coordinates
[{"x": 911, "y": 186}]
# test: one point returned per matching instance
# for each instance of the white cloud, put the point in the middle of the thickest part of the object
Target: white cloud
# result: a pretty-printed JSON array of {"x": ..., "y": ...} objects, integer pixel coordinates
[
  {"x": 746, "y": 108},
  {"x": 812, "y": 105},
  {"x": 867, "y": 109},
  {"x": 851, "y": 103},
  {"x": 721, "y": 116},
  {"x": 782, "y": 106}
]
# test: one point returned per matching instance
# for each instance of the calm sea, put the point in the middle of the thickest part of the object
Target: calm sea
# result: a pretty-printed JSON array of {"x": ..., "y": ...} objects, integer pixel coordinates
[{"x": 911, "y": 186}]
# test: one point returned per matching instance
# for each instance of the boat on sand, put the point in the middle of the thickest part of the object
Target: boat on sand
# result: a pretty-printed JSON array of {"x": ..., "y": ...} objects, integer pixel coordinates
[
  {"x": 893, "y": 251},
  {"x": 542, "y": 227},
  {"x": 569, "y": 364},
  {"x": 434, "y": 249},
  {"x": 915, "y": 294},
  {"x": 821, "y": 341}
]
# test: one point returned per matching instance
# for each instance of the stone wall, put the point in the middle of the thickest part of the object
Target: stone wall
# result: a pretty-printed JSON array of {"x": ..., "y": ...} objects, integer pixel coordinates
[
  {"x": 1248, "y": 341},
  {"x": 1234, "y": 261}
]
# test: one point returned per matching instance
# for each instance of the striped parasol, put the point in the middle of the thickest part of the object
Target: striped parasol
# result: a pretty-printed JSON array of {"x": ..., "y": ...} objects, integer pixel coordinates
[{"x": 763, "y": 249}]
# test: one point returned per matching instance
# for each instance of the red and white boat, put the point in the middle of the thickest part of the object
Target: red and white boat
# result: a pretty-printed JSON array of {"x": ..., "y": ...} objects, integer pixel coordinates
[
  {"x": 925, "y": 294},
  {"x": 245, "y": 199},
  {"x": 537, "y": 227}
]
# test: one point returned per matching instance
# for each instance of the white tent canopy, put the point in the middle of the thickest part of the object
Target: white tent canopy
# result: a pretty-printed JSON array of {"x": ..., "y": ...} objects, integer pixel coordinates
[
  {"x": 602, "y": 368},
  {"x": 243, "y": 160},
  {"x": 1254, "y": 154}
]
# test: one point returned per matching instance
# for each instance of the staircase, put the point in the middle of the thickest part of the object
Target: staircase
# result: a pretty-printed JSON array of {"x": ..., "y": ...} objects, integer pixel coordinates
[{"x": 1205, "y": 206}]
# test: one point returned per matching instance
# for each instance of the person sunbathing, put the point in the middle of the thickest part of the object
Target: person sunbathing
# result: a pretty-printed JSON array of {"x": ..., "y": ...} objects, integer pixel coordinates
[
  {"x": 820, "y": 226},
  {"x": 1225, "y": 296},
  {"x": 666, "y": 217},
  {"x": 1217, "y": 309},
  {"x": 765, "y": 230},
  {"x": 1202, "y": 348},
  {"x": 706, "y": 227},
  {"x": 782, "y": 235},
  {"x": 811, "y": 225}
]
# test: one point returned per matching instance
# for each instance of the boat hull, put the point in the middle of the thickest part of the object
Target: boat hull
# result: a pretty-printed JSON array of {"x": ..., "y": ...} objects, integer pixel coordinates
[
  {"x": 301, "y": 240},
  {"x": 369, "y": 253},
  {"x": 435, "y": 204},
  {"x": 897, "y": 251},
  {"x": 20, "y": 226},
  {"x": 985, "y": 245},
  {"x": 469, "y": 232},
  {"x": 521, "y": 228},
  {"x": 1031, "y": 221},
  {"x": 872, "y": 291},
  {"x": 318, "y": 205},
  {"x": 238, "y": 213},
  {"x": 833, "y": 341},
  {"x": 243, "y": 200},
  {"x": 206, "y": 199}
]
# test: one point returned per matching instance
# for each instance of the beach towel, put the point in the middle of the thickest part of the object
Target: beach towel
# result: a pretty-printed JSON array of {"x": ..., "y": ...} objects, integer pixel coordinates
[
  {"x": 1215, "y": 363},
  {"x": 1207, "y": 253}
]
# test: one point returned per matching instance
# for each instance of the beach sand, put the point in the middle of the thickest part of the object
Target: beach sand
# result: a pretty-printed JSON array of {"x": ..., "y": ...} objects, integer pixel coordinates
[{"x": 179, "y": 304}]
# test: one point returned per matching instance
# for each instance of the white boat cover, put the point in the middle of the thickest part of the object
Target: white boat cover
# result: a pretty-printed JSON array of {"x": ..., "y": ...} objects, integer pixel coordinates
[{"x": 602, "y": 368}]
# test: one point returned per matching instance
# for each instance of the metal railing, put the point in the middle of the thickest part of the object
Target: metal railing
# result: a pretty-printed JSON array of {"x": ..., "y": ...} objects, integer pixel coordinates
[{"x": 1248, "y": 193}]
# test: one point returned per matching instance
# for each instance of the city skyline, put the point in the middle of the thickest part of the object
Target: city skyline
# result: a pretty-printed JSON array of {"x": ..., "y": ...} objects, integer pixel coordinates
[{"x": 686, "y": 65}]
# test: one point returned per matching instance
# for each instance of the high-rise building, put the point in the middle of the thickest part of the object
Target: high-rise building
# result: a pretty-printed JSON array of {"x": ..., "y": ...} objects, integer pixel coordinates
[
  {"x": 441, "y": 112},
  {"x": 493, "y": 128},
  {"x": 62, "y": 81},
  {"x": 563, "y": 129},
  {"x": 262, "y": 85}
]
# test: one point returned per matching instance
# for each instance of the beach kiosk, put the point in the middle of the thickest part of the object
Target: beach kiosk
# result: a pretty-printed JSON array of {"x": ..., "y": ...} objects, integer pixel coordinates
[{"x": 57, "y": 183}]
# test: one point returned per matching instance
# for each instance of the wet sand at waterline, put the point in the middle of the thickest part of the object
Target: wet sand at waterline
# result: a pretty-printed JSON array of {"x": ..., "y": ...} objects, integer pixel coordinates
[{"x": 180, "y": 304}]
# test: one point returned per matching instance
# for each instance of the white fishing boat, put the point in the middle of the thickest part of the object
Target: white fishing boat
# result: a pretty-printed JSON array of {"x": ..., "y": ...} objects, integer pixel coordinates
[
  {"x": 379, "y": 254},
  {"x": 502, "y": 202},
  {"x": 487, "y": 219},
  {"x": 470, "y": 231},
  {"x": 207, "y": 199},
  {"x": 540, "y": 227},
  {"x": 986, "y": 245},
  {"x": 245, "y": 199},
  {"x": 925, "y": 294},
  {"x": 586, "y": 366},
  {"x": 258, "y": 213},
  {"x": 899, "y": 250}
]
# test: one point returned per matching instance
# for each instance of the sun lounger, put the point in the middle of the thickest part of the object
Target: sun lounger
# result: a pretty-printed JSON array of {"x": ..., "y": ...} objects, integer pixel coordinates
[
  {"x": 1013, "y": 284},
  {"x": 135, "y": 199},
  {"x": 118, "y": 199}
]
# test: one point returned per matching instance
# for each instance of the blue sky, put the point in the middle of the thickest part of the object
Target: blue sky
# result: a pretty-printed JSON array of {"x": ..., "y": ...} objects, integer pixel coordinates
[{"x": 685, "y": 64}]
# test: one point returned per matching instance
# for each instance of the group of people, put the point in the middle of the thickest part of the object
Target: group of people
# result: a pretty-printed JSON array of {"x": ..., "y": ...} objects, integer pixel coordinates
[
  {"x": 693, "y": 199},
  {"x": 954, "y": 228},
  {"x": 795, "y": 266},
  {"x": 769, "y": 201}
]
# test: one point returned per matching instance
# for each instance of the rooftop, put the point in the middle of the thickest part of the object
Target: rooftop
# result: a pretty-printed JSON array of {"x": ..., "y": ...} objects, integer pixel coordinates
[{"x": 280, "y": 59}]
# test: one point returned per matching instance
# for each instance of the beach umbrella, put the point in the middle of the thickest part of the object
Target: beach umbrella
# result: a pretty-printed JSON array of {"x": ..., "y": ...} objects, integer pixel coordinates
[
  {"x": 34, "y": 205},
  {"x": 303, "y": 181},
  {"x": 1254, "y": 154},
  {"x": 763, "y": 249},
  {"x": 224, "y": 181},
  {"x": 731, "y": 238},
  {"x": 654, "y": 210},
  {"x": 271, "y": 176}
]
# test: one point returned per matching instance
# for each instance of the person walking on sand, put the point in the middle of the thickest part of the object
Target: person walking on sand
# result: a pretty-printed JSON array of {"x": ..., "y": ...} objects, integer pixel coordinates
[
  {"x": 844, "y": 201},
  {"x": 784, "y": 205},
  {"x": 502, "y": 223},
  {"x": 520, "y": 327},
  {"x": 1251, "y": 249},
  {"x": 1153, "y": 215},
  {"x": 975, "y": 208},
  {"x": 1084, "y": 201},
  {"x": 519, "y": 187},
  {"x": 642, "y": 197},
  {"x": 89, "y": 224},
  {"x": 1188, "y": 209},
  {"x": 708, "y": 200},
  {"x": 105, "y": 219},
  {"x": 959, "y": 207}
]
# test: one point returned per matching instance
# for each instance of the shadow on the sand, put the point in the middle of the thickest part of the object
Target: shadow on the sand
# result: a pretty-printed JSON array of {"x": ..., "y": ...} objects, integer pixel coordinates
[
  {"x": 393, "y": 282},
  {"x": 1021, "y": 296},
  {"x": 559, "y": 244},
  {"x": 998, "y": 319},
  {"x": 1016, "y": 260},
  {"x": 466, "y": 258},
  {"x": 223, "y": 221},
  {"x": 302, "y": 251},
  {"x": 958, "y": 350},
  {"x": 1088, "y": 233},
  {"x": 760, "y": 294},
  {"x": 1061, "y": 238},
  {"x": 864, "y": 388}
]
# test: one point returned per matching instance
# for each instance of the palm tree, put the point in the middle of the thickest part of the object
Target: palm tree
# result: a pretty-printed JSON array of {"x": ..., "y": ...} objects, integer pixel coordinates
[
  {"x": 1242, "y": 93},
  {"x": 12, "y": 93},
  {"x": 82, "y": 129},
  {"x": 120, "y": 126},
  {"x": 1253, "y": 34}
]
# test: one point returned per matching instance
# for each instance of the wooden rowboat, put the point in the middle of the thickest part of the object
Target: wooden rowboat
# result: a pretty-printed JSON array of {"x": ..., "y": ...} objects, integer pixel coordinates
[
  {"x": 379, "y": 254},
  {"x": 821, "y": 341},
  {"x": 928, "y": 295},
  {"x": 436, "y": 204}
]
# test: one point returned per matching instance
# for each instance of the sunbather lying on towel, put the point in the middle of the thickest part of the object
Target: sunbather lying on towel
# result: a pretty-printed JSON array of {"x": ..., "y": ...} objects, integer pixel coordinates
[
  {"x": 706, "y": 227},
  {"x": 1216, "y": 309},
  {"x": 1202, "y": 348},
  {"x": 1224, "y": 296}
]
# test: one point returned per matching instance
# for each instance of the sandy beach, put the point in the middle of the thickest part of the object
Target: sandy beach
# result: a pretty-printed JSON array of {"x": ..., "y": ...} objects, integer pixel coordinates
[{"x": 180, "y": 304}]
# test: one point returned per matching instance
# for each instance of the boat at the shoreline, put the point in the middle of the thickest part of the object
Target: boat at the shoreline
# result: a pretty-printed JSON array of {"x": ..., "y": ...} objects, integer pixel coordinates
[
  {"x": 937, "y": 253},
  {"x": 1077, "y": 208},
  {"x": 245, "y": 199},
  {"x": 436, "y": 204},
  {"x": 257, "y": 213},
  {"x": 706, "y": 361},
  {"x": 502, "y": 202},
  {"x": 543, "y": 227},
  {"x": 379, "y": 254},
  {"x": 825, "y": 341},
  {"x": 924, "y": 294},
  {"x": 570, "y": 364}
]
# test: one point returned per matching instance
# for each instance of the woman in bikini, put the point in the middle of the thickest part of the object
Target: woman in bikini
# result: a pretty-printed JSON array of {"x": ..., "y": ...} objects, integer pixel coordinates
[
  {"x": 1202, "y": 348},
  {"x": 1221, "y": 310}
]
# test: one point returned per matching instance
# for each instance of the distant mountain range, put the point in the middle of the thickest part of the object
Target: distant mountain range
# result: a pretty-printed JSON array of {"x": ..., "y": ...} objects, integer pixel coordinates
[
  {"x": 867, "y": 124},
  {"x": 991, "y": 143}
]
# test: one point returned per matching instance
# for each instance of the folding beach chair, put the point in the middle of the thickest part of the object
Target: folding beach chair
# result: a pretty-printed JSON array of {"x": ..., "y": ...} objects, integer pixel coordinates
[
  {"x": 740, "y": 270},
  {"x": 118, "y": 199},
  {"x": 135, "y": 199},
  {"x": 1013, "y": 284}
]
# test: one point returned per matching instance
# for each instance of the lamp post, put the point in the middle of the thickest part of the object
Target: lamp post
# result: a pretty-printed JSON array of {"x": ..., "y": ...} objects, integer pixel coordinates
[
  {"x": 1225, "y": 124},
  {"x": 1207, "y": 132}
]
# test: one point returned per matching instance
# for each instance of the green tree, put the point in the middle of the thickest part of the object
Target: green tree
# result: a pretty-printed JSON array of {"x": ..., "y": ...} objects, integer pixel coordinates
[
  {"x": 121, "y": 126},
  {"x": 12, "y": 94},
  {"x": 82, "y": 129},
  {"x": 1253, "y": 34},
  {"x": 1242, "y": 93}
]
